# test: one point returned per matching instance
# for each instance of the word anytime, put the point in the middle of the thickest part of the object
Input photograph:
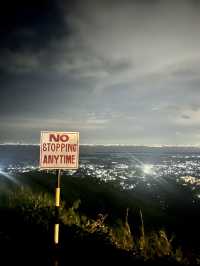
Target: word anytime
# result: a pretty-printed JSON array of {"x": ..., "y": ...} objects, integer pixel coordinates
[{"x": 59, "y": 159}]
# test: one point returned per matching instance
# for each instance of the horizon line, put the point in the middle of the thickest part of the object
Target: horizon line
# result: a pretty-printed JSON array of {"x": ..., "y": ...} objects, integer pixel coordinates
[{"x": 111, "y": 144}]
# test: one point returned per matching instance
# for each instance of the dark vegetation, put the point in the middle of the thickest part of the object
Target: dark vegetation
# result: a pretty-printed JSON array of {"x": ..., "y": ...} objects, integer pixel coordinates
[{"x": 100, "y": 225}]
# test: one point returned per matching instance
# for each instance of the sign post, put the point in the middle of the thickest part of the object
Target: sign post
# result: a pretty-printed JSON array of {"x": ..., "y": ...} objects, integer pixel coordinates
[
  {"x": 57, "y": 204},
  {"x": 59, "y": 150}
]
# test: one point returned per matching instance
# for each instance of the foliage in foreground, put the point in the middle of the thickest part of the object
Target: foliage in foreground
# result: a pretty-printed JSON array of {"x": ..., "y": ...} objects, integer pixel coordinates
[{"x": 38, "y": 208}]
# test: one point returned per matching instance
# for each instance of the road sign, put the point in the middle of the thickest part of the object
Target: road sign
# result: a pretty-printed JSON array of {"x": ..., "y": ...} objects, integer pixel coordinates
[{"x": 59, "y": 150}]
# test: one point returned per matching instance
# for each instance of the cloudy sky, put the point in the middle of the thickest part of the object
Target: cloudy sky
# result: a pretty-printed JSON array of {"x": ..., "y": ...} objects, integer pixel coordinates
[{"x": 124, "y": 72}]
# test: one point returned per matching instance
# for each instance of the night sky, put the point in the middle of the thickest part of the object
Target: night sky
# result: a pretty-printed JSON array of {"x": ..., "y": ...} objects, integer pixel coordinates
[{"x": 120, "y": 72}]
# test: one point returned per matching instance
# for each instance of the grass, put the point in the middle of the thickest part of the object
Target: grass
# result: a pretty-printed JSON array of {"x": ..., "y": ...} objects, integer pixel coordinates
[{"x": 35, "y": 213}]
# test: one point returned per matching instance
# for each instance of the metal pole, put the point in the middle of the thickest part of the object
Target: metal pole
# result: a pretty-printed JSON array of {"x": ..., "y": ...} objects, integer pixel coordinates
[{"x": 57, "y": 205}]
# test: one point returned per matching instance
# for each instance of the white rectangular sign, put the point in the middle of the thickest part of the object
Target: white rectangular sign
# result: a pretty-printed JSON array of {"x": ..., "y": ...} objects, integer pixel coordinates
[{"x": 59, "y": 150}]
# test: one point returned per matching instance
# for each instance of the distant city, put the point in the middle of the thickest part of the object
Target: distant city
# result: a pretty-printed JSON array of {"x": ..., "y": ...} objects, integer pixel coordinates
[{"x": 130, "y": 168}]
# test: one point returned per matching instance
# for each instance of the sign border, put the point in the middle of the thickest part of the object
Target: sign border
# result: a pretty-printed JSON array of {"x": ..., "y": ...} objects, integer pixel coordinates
[{"x": 64, "y": 168}]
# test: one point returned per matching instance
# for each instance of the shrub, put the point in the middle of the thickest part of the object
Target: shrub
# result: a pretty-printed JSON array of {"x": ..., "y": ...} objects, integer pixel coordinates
[{"x": 36, "y": 209}]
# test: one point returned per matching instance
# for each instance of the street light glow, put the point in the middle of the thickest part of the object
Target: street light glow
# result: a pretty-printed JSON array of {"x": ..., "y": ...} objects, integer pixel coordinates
[
  {"x": 148, "y": 169},
  {"x": 8, "y": 176}
]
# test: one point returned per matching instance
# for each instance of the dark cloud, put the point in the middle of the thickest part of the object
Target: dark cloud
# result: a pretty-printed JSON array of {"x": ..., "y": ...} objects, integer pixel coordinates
[
  {"x": 30, "y": 25},
  {"x": 185, "y": 116}
]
